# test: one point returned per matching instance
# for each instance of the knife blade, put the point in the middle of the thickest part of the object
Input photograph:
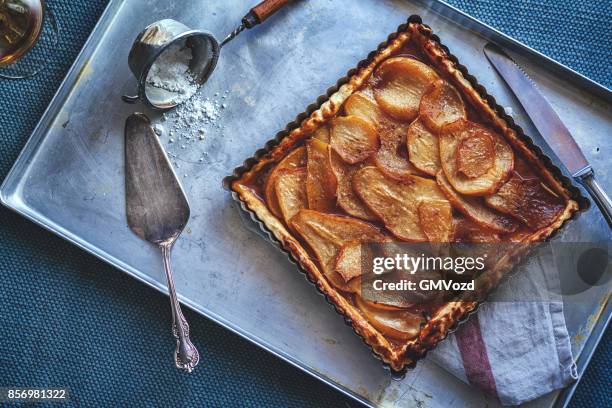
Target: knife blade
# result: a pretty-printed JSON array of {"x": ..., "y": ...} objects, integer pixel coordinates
[{"x": 550, "y": 126}]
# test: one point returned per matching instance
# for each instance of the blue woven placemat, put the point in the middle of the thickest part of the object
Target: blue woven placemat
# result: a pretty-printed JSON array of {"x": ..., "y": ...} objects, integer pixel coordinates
[{"x": 68, "y": 319}]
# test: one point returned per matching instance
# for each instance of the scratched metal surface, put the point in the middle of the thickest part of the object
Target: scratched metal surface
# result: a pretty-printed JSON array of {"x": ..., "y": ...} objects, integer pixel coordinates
[{"x": 70, "y": 176}]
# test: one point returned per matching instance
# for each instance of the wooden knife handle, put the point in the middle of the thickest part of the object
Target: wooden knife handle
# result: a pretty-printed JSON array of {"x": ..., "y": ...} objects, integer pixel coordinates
[
  {"x": 255, "y": 16},
  {"x": 266, "y": 8}
]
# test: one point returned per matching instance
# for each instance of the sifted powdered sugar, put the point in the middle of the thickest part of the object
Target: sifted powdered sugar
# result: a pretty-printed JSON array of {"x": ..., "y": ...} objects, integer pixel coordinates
[
  {"x": 187, "y": 126},
  {"x": 170, "y": 72}
]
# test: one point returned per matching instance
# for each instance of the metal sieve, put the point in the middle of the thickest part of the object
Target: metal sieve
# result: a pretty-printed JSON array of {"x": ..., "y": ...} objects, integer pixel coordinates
[{"x": 205, "y": 49}]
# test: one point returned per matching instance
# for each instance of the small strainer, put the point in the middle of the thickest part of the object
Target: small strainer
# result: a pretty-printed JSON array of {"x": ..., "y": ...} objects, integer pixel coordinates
[{"x": 205, "y": 48}]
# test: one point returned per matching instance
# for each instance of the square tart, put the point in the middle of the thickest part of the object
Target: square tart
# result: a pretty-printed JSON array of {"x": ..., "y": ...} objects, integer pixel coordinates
[{"x": 411, "y": 121}]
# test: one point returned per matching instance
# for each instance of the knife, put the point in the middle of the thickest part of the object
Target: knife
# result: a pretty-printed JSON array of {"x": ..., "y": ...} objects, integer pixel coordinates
[{"x": 550, "y": 126}]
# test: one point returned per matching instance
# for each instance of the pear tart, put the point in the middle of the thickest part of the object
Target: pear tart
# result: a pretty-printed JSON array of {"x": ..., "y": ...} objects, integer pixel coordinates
[{"x": 408, "y": 149}]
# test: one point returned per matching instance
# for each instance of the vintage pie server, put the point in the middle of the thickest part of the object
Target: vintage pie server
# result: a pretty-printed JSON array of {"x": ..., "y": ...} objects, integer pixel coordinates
[
  {"x": 157, "y": 211},
  {"x": 158, "y": 36},
  {"x": 550, "y": 126}
]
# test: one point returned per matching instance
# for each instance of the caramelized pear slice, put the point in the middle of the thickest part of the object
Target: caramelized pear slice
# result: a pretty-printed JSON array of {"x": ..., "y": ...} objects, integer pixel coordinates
[
  {"x": 441, "y": 105},
  {"x": 354, "y": 258},
  {"x": 347, "y": 199},
  {"x": 388, "y": 304},
  {"x": 354, "y": 138},
  {"x": 400, "y": 83},
  {"x": 295, "y": 159},
  {"x": 392, "y": 157},
  {"x": 466, "y": 230},
  {"x": 320, "y": 179},
  {"x": 527, "y": 200},
  {"x": 386, "y": 300},
  {"x": 475, "y": 155},
  {"x": 474, "y": 209},
  {"x": 325, "y": 234},
  {"x": 423, "y": 150},
  {"x": 396, "y": 202},
  {"x": 290, "y": 188},
  {"x": 452, "y": 137},
  {"x": 364, "y": 107},
  {"x": 397, "y": 324},
  {"x": 396, "y": 299},
  {"x": 321, "y": 134},
  {"x": 436, "y": 219}
]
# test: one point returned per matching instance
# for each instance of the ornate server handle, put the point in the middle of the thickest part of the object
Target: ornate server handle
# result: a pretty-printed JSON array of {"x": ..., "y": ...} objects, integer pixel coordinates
[{"x": 186, "y": 356}]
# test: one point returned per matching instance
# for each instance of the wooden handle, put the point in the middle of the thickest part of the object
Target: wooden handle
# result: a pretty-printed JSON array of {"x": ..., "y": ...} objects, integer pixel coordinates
[{"x": 268, "y": 7}]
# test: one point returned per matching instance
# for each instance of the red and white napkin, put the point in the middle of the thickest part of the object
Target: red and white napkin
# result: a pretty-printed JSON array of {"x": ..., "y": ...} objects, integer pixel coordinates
[{"x": 516, "y": 347}]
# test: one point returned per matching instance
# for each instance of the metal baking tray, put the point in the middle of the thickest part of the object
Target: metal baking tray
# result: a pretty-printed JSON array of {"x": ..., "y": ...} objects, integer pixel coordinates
[{"x": 69, "y": 177}]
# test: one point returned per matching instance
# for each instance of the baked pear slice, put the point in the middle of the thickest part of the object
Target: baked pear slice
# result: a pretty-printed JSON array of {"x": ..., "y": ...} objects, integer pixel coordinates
[
  {"x": 396, "y": 202},
  {"x": 392, "y": 157},
  {"x": 476, "y": 160},
  {"x": 295, "y": 159},
  {"x": 527, "y": 200},
  {"x": 385, "y": 299},
  {"x": 346, "y": 197},
  {"x": 423, "y": 148},
  {"x": 397, "y": 324},
  {"x": 474, "y": 208},
  {"x": 320, "y": 179},
  {"x": 360, "y": 105},
  {"x": 349, "y": 260},
  {"x": 290, "y": 189},
  {"x": 467, "y": 231},
  {"x": 399, "y": 85},
  {"x": 436, "y": 220},
  {"x": 356, "y": 258},
  {"x": 325, "y": 234},
  {"x": 354, "y": 138},
  {"x": 322, "y": 134},
  {"x": 475, "y": 155},
  {"x": 441, "y": 105}
]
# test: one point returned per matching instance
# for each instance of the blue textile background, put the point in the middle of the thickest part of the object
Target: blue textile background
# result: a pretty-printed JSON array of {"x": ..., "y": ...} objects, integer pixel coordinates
[{"x": 68, "y": 319}]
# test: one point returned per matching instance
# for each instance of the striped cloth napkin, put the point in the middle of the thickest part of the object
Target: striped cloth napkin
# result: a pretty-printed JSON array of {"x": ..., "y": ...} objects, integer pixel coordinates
[{"x": 516, "y": 347}]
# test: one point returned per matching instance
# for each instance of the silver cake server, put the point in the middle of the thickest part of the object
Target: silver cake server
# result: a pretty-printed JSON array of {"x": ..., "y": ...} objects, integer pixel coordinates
[
  {"x": 550, "y": 126},
  {"x": 157, "y": 211}
]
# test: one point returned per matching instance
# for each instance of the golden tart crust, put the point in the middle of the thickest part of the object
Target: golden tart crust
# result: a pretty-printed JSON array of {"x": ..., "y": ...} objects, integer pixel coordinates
[{"x": 413, "y": 38}]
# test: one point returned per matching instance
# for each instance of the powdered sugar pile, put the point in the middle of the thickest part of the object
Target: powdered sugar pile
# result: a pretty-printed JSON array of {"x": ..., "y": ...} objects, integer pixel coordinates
[
  {"x": 170, "y": 72},
  {"x": 186, "y": 128},
  {"x": 192, "y": 119}
]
